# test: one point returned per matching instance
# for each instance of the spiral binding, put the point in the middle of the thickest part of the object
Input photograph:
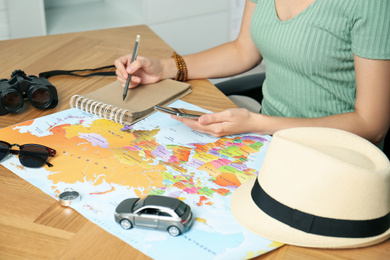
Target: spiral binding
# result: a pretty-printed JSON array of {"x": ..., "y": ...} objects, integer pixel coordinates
[{"x": 100, "y": 109}]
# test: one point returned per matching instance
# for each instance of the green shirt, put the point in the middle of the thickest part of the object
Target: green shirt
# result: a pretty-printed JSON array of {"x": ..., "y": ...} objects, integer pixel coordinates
[{"x": 309, "y": 58}]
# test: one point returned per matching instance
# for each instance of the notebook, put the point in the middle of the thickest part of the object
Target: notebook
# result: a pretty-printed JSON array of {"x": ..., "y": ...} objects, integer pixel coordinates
[{"x": 107, "y": 102}]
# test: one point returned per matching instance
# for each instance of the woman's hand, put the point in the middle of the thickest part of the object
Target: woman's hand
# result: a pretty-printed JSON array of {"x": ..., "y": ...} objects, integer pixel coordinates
[
  {"x": 143, "y": 70},
  {"x": 228, "y": 122}
]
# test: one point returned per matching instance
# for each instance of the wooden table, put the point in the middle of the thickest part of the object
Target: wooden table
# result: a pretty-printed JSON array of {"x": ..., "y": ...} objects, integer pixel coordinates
[{"x": 32, "y": 224}]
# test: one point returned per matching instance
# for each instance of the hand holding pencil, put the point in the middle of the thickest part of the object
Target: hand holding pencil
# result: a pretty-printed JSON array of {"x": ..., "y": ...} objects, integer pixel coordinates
[{"x": 143, "y": 70}]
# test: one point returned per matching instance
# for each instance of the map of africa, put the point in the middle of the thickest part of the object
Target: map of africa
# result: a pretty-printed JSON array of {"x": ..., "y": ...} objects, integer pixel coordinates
[{"x": 107, "y": 162}]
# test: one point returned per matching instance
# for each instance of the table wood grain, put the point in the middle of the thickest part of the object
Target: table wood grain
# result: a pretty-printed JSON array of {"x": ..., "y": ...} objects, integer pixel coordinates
[{"x": 32, "y": 224}]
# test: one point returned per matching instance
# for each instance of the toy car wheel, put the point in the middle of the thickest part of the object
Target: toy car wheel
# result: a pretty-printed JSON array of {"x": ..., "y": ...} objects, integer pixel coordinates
[
  {"x": 174, "y": 231},
  {"x": 126, "y": 224}
]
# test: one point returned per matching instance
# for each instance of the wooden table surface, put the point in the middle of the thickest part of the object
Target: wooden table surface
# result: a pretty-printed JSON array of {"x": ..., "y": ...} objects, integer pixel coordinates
[{"x": 32, "y": 224}]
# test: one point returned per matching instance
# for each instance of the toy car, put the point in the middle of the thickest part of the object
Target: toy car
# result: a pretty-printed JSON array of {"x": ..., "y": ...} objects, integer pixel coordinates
[{"x": 156, "y": 212}]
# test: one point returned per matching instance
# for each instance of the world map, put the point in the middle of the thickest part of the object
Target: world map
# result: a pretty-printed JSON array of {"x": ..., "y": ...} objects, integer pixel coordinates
[{"x": 107, "y": 162}]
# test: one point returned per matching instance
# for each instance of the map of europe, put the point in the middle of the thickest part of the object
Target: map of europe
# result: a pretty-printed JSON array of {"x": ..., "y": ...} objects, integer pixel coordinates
[{"x": 107, "y": 162}]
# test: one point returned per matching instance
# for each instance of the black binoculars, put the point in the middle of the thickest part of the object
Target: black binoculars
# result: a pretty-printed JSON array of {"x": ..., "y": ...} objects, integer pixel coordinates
[{"x": 39, "y": 91}]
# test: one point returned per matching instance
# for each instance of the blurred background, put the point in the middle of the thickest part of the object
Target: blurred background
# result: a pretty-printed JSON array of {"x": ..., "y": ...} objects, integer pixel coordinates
[{"x": 187, "y": 26}]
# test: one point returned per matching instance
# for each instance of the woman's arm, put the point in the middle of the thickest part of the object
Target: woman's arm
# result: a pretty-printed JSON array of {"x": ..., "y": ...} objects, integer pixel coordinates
[
  {"x": 371, "y": 118},
  {"x": 225, "y": 60}
]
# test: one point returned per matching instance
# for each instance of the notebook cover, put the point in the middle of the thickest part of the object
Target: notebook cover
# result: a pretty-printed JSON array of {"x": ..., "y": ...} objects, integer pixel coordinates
[{"x": 141, "y": 98}]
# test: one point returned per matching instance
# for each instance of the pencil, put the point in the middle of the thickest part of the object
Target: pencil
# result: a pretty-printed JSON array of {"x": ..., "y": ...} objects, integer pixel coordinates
[{"x": 132, "y": 59}]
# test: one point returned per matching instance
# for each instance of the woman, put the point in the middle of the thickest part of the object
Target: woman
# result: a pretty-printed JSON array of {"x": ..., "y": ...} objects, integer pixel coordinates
[{"x": 327, "y": 65}]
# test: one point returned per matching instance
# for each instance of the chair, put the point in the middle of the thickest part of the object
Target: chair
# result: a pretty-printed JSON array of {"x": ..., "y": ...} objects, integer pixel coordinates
[
  {"x": 246, "y": 86},
  {"x": 386, "y": 148}
]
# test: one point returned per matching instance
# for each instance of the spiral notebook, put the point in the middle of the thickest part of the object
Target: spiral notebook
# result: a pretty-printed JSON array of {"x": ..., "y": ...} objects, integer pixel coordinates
[{"x": 107, "y": 102}]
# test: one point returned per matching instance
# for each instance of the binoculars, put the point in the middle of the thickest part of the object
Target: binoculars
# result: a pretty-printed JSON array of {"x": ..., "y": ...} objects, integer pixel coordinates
[{"x": 39, "y": 91}]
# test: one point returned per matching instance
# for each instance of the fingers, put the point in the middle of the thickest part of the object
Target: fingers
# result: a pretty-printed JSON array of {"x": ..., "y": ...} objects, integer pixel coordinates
[
  {"x": 124, "y": 68},
  {"x": 230, "y": 121},
  {"x": 121, "y": 64},
  {"x": 134, "y": 81},
  {"x": 139, "y": 63},
  {"x": 214, "y": 118},
  {"x": 215, "y": 129}
]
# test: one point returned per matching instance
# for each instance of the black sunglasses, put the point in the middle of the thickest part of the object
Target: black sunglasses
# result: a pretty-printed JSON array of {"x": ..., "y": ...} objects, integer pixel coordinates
[{"x": 30, "y": 155}]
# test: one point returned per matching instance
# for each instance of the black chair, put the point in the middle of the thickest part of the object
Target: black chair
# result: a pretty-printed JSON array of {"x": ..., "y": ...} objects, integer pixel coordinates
[
  {"x": 246, "y": 86},
  {"x": 386, "y": 148}
]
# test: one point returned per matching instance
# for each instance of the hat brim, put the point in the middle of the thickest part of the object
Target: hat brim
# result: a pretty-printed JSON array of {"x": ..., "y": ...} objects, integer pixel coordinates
[{"x": 254, "y": 219}]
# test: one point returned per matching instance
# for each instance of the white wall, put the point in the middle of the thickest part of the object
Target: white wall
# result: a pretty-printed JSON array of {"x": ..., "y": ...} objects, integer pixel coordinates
[
  {"x": 231, "y": 19},
  {"x": 4, "y": 23},
  {"x": 26, "y": 18},
  {"x": 237, "y": 7}
]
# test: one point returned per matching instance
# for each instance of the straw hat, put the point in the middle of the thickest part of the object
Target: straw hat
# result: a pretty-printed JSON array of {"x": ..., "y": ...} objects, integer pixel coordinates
[{"x": 318, "y": 187}]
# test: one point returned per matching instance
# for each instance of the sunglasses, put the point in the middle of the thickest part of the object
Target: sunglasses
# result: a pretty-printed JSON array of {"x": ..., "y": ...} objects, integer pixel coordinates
[{"x": 30, "y": 155}]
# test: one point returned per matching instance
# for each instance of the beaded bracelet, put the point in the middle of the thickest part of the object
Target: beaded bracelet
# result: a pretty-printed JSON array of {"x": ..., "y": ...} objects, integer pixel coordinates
[{"x": 181, "y": 67}]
